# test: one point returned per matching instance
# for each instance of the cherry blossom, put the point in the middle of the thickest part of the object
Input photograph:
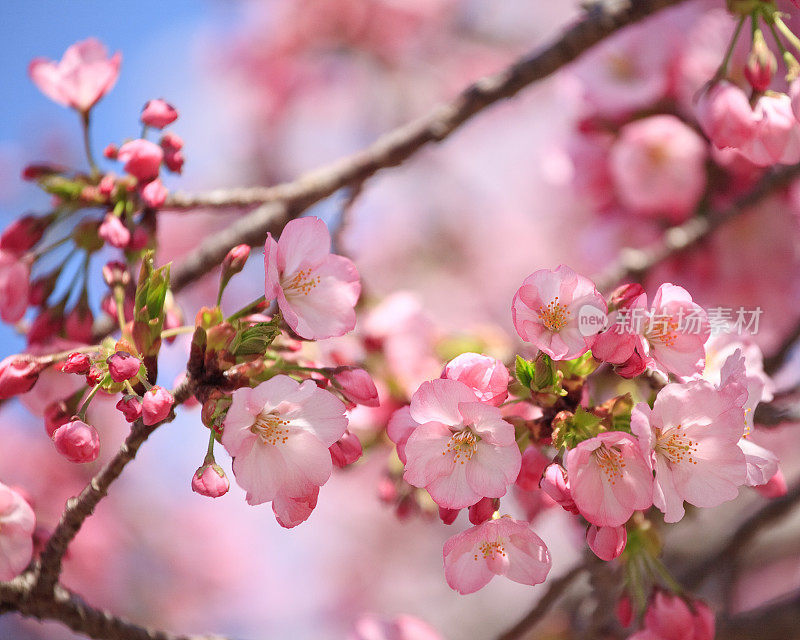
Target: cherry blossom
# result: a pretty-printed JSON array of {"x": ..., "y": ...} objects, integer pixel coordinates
[
  {"x": 486, "y": 376},
  {"x": 17, "y": 523},
  {"x": 669, "y": 617}
]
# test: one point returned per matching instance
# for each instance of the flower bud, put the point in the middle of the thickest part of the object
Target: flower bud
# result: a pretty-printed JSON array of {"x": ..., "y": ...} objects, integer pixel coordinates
[
  {"x": 633, "y": 366},
  {"x": 624, "y": 611},
  {"x": 624, "y": 295},
  {"x": 554, "y": 484},
  {"x": 22, "y": 234},
  {"x": 36, "y": 171},
  {"x": 142, "y": 158},
  {"x": 131, "y": 408},
  {"x": 173, "y": 156},
  {"x": 346, "y": 450},
  {"x": 607, "y": 543},
  {"x": 235, "y": 260},
  {"x": 17, "y": 376},
  {"x": 156, "y": 405},
  {"x": 77, "y": 441},
  {"x": 533, "y": 465},
  {"x": 111, "y": 151},
  {"x": 114, "y": 232},
  {"x": 116, "y": 273},
  {"x": 486, "y": 376},
  {"x": 357, "y": 386},
  {"x": 76, "y": 363},
  {"x": 158, "y": 114},
  {"x": 154, "y": 194},
  {"x": 123, "y": 366},
  {"x": 55, "y": 415},
  {"x": 210, "y": 480},
  {"x": 483, "y": 510},
  {"x": 761, "y": 64}
]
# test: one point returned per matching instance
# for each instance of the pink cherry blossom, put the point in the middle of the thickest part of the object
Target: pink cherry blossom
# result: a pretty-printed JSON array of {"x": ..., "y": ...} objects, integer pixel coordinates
[
  {"x": 131, "y": 408},
  {"x": 502, "y": 547},
  {"x": 17, "y": 523},
  {"x": 462, "y": 449},
  {"x": 402, "y": 627},
  {"x": 357, "y": 386},
  {"x": 669, "y": 617},
  {"x": 550, "y": 306},
  {"x": 123, "y": 366},
  {"x": 142, "y": 158},
  {"x": 291, "y": 511},
  {"x": 776, "y": 138},
  {"x": 690, "y": 437},
  {"x": 154, "y": 194},
  {"x": 725, "y": 115},
  {"x": 14, "y": 285},
  {"x": 315, "y": 289},
  {"x": 609, "y": 478},
  {"x": 555, "y": 484},
  {"x": 22, "y": 234},
  {"x": 483, "y": 510},
  {"x": 83, "y": 75},
  {"x": 607, "y": 543},
  {"x": 210, "y": 480},
  {"x": 399, "y": 429},
  {"x": 76, "y": 363},
  {"x": 77, "y": 441},
  {"x": 486, "y": 376},
  {"x": 346, "y": 450},
  {"x": 156, "y": 404},
  {"x": 114, "y": 232},
  {"x": 658, "y": 167},
  {"x": 278, "y": 435},
  {"x": 158, "y": 114}
]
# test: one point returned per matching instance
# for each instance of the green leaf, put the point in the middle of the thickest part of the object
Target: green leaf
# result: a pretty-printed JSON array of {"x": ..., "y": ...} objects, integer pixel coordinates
[{"x": 524, "y": 372}]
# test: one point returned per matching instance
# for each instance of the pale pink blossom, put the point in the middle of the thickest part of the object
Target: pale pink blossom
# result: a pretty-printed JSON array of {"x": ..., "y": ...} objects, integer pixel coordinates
[
  {"x": 15, "y": 276},
  {"x": 669, "y": 617},
  {"x": 690, "y": 437},
  {"x": 210, "y": 481},
  {"x": 142, "y": 158},
  {"x": 17, "y": 523},
  {"x": 609, "y": 478},
  {"x": 77, "y": 441},
  {"x": 279, "y": 434},
  {"x": 486, "y": 376},
  {"x": 402, "y": 627},
  {"x": 776, "y": 138},
  {"x": 158, "y": 113},
  {"x": 607, "y": 543},
  {"x": 315, "y": 289},
  {"x": 291, "y": 511},
  {"x": 462, "y": 449},
  {"x": 559, "y": 312},
  {"x": 83, "y": 75},
  {"x": 400, "y": 427},
  {"x": 502, "y": 547},
  {"x": 658, "y": 167},
  {"x": 725, "y": 115}
]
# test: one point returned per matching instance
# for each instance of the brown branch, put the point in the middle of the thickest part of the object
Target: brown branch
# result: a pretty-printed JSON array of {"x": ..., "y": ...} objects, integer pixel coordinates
[
  {"x": 556, "y": 588},
  {"x": 634, "y": 262},
  {"x": 777, "y": 621},
  {"x": 742, "y": 537},
  {"x": 292, "y": 198}
]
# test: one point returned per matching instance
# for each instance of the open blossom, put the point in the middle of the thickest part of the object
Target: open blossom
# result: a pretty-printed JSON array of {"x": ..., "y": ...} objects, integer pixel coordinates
[
  {"x": 559, "y": 312},
  {"x": 776, "y": 138},
  {"x": 609, "y": 478},
  {"x": 658, "y": 167},
  {"x": 83, "y": 75},
  {"x": 315, "y": 289},
  {"x": 372, "y": 627},
  {"x": 690, "y": 437},
  {"x": 725, "y": 115},
  {"x": 669, "y": 617},
  {"x": 462, "y": 449},
  {"x": 14, "y": 286},
  {"x": 17, "y": 523},
  {"x": 486, "y": 376},
  {"x": 501, "y": 547},
  {"x": 278, "y": 435}
]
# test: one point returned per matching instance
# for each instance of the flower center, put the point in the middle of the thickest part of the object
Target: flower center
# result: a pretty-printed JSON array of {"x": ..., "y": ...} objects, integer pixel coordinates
[
  {"x": 464, "y": 444},
  {"x": 490, "y": 550},
  {"x": 270, "y": 428},
  {"x": 554, "y": 316},
  {"x": 676, "y": 447},
  {"x": 610, "y": 461},
  {"x": 301, "y": 283},
  {"x": 663, "y": 331}
]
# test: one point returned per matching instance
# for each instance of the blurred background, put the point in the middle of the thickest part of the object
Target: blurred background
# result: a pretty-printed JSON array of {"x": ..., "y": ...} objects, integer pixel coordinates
[{"x": 267, "y": 90}]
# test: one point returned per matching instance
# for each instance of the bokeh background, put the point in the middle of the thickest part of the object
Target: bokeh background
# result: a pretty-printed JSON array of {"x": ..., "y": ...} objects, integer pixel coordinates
[{"x": 267, "y": 90}]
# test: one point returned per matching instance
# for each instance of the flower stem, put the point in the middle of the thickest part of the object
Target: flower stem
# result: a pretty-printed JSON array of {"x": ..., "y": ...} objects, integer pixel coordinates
[
  {"x": 176, "y": 331},
  {"x": 85, "y": 405},
  {"x": 87, "y": 143},
  {"x": 722, "y": 71},
  {"x": 787, "y": 33}
]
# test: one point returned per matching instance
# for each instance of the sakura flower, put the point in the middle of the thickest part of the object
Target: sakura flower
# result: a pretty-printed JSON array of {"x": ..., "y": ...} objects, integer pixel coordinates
[
  {"x": 316, "y": 290},
  {"x": 210, "y": 481},
  {"x": 609, "y": 478},
  {"x": 83, "y": 75},
  {"x": 158, "y": 114},
  {"x": 142, "y": 159},
  {"x": 278, "y": 435},
  {"x": 17, "y": 523},
  {"x": 156, "y": 404},
  {"x": 399, "y": 429},
  {"x": 77, "y": 441},
  {"x": 690, "y": 437},
  {"x": 14, "y": 286},
  {"x": 556, "y": 310},
  {"x": 502, "y": 547},
  {"x": 725, "y": 115},
  {"x": 402, "y": 627},
  {"x": 555, "y": 484},
  {"x": 776, "y": 138},
  {"x": 462, "y": 449},
  {"x": 154, "y": 194},
  {"x": 114, "y": 232},
  {"x": 486, "y": 376}
]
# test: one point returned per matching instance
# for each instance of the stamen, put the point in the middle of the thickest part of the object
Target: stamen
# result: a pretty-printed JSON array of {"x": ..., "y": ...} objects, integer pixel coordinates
[
  {"x": 271, "y": 429},
  {"x": 663, "y": 331},
  {"x": 464, "y": 444},
  {"x": 676, "y": 447},
  {"x": 554, "y": 316},
  {"x": 491, "y": 550},
  {"x": 610, "y": 461},
  {"x": 301, "y": 283}
]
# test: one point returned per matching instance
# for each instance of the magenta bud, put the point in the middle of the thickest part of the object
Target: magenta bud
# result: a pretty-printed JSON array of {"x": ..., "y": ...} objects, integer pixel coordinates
[
  {"x": 123, "y": 366},
  {"x": 158, "y": 114},
  {"x": 142, "y": 159},
  {"x": 114, "y": 232},
  {"x": 55, "y": 415},
  {"x": 77, "y": 441},
  {"x": 111, "y": 151},
  {"x": 17, "y": 376},
  {"x": 235, "y": 260},
  {"x": 156, "y": 405},
  {"x": 116, "y": 273},
  {"x": 607, "y": 542},
  {"x": 76, "y": 363},
  {"x": 210, "y": 480},
  {"x": 131, "y": 408},
  {"x": 448, "y": 516},
  {"x": 357, "y": 386},
  {"x": 346, "y": 450},
  {"x": 483, "y": 510},
  {"x": 22, "y": 234}
]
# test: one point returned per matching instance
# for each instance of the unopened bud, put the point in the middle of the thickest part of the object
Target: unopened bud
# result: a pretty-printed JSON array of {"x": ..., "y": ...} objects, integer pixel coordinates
[
  {"x": 116, "y": 274},
  {"x": 235, "y": 260},
  {"x": 76, "y": 363},
  {"x": 77, "y": 441},
  {"x": 761, "y": 64},
  {"x": 210, "y": 480}
]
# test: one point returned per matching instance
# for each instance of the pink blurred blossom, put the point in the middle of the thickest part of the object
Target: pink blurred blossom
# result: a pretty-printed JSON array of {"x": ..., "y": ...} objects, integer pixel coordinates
[
  {"x": 17, "y": 523},
  {"x": 158, "y": 113},
  {"x": 77, "y": 441},
  {"x": 14, "y": 282},
  {"x": 402, "y": 627},
  {"x": 486, "y": 376},
  {"x": 142, "y": 159}
]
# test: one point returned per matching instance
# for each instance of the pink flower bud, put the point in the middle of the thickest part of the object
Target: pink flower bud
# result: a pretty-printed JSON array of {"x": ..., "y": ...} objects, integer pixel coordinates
[
  {"x": 623, "y": 296},
  {"x": 76, "y": 363},
  {"x": 123, "y": 366},
  {"x": 156, "y": 405},
  {"x": 554, "y": 484},
  {"x": 78, "y": 324},
  {"x": 36, "y": 171},
  {"x": 346, "y": 450},
  {"x": 116, "y": 273},
  {"x": 154, "y": 194},
  {"x": 775, "y": 487},
  {"x": 142, "y": 158},
  {"x": 357, "y": 386},
  {"x": 139, "y": 239},
  {"x": 607, "y": 542},
  {"x": 77, "y": 441},
  {"x": 624, "y": 611},
  {"x": 448, "y": 516},
  {"x": 725, "y": 115},
  {"x": 235, "y": 260},
  {"x": 486, "y": 376},
  {"x": 55, "y": 415},
  {"x": 669, "y": 616},
  {"x": 158, "y": 114},
  {"x": 482, "y": 510},
  {"x": 387, "y": 492},
  {"x": 761, "y": 64},
  {"x": 131, "y": 408},
  {"x": 111, "y": 151},
  {"x": 17, "y": 376},
  {"x": 107, "y": 185},
  {"x": 14, "y": 286},
  {"x": 533, "y": 465},
  {"x": 114, "y": 232},
  {"x": 22, "y": 234},
  {"x": 633, "y": 366},
  {"x": 174, "y": 161},
  {"x": 171, "y": 142},
  {"x": 210, "y": 480}
]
